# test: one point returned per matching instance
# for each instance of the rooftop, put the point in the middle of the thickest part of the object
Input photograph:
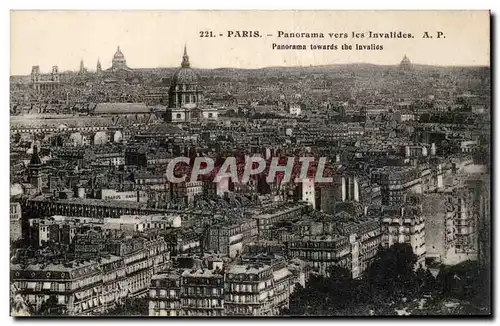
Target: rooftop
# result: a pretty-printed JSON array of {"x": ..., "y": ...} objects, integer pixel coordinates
[
  {"x": 172, "y": 275},
  {"x": 122, "y": 108},
  {"x": 207, "y": 273},
  {"x": 97, "y": 202},
  {"x": 247, "y": 269}
]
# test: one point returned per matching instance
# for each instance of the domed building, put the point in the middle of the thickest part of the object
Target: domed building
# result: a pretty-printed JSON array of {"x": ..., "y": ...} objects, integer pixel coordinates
[
  {"x": 185, "y": 96},
  {"x": 119, "y": 63},
  {"x": 405, "y": 64}
]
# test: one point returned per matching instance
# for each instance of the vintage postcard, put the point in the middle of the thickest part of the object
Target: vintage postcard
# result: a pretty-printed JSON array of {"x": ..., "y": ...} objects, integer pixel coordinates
[{"x": 250, "y": 163}]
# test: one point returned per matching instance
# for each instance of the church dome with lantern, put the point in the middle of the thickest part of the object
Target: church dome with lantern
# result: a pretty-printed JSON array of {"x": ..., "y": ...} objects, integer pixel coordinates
[
  {"x": 184, "y": 87},
  {"x": 185, "y": 75},
  {"x": 118, "y": 55},
  {"x": 119, "y": 62},
  {"x": 405, "y": 64}
]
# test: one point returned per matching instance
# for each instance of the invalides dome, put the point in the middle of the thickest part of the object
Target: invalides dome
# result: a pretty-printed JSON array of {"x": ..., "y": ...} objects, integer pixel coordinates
[
  {"x": 185, "y": 75},
  {"x": 184, "y": 89}
]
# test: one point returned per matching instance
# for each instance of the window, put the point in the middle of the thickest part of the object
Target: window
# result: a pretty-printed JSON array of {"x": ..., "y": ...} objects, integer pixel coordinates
[
  {"x": 61, "y": 287},
  {"x": 178, "y": 116}
]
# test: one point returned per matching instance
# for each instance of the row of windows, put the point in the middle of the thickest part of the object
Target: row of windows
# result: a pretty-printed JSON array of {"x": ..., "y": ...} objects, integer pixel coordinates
[
  {"x": 200, "y": 313},
  {"x": 114, "y": 275},
  {"x": 247, "y": 298},
  {"x": 93, "y": 302},
  {"x": 172, "y": 294},
  {"x": 90, "y": 280},
  {"x": 164, "y": 305},
  {"x": 31, "y": 298},
  {"x": 202, "y": 291},
  {"x": 316, "y": 255},
  {"x": 172, "y": 313},
  {"x": 246, "y": 287},
  {"x": 203, "y": 281},
  {"x": 136, "y": 257},
  {"x": 203, "y": 303},
  {"x": 52, "y": 286},
  {"x": 327, "y": 245}
]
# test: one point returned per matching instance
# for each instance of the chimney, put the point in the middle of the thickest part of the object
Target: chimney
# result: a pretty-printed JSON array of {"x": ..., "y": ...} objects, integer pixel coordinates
[
  {"x": 350, "y": 188},
  {"x": 343, "y": 189},
  {"x": 356, "y": 189},
  {"x": 407, "y": 151}
]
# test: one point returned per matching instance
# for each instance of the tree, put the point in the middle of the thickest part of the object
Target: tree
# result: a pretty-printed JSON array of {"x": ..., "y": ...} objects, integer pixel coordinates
[
  {"x": 391, "y": 282},
  {"x": 336, "y": 294},
  {"x": 392, "y": 271}
]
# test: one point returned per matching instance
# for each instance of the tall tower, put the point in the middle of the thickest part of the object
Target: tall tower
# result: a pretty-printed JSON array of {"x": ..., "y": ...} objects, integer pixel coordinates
[
  {"x": 35, "y": 74},
  {"x": 55, "y": 74},
  {"x": 35, "y": 78},
  {"x": 35, "y": 170},
  {"x": 82, "y": 67},
  {"x": 99, "y": 68}
]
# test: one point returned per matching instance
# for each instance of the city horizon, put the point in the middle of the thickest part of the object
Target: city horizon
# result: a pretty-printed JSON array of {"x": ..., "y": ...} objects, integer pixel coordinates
[
  {"x": 266, "y": 67},
  {"x": 156, "y": 39}
]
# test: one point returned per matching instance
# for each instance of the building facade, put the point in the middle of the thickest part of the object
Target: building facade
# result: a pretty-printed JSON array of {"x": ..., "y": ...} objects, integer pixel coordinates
[
  {"x": 203, "y": 292},
  {"x": 165, "y": 294},
  {"x": 43, "y": 83},
  {"x": 249, "y": 290}
]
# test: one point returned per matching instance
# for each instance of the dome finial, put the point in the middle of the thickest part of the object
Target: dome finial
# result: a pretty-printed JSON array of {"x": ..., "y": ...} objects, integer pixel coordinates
[{"x": 185, "y": 59}]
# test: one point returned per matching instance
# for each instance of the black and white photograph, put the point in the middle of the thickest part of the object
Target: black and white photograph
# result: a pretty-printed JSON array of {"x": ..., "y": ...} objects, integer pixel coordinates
[{"x": 280, "y": 163}]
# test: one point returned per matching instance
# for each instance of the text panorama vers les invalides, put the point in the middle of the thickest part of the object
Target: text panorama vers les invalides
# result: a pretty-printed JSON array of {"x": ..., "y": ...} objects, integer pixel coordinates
[
  {"x": 339, "y": 36},
  {"x": 364, "y": 41}
]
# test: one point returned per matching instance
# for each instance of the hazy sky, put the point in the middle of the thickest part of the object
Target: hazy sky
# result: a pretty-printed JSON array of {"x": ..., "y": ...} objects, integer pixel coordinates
[{"x": 156, "y": 38}]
